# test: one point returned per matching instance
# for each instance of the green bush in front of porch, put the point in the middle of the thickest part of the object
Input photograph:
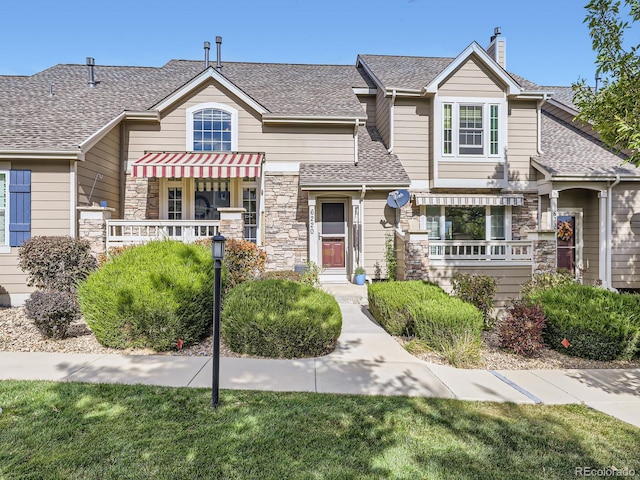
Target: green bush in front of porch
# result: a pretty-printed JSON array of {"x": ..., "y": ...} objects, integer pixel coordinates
[
  {"x": 150, "y": 296},
  {"x": 388, "y": 303},
  {"x": 423, "y": 310},
  {"x": 597, "y": 323},
  {"x": 280, "y": 319}
]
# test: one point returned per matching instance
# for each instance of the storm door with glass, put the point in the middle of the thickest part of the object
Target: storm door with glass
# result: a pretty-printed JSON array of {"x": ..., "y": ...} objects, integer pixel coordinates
[
  {"x": 567, "y": 247},
  {"x": 333, "y": 234}
]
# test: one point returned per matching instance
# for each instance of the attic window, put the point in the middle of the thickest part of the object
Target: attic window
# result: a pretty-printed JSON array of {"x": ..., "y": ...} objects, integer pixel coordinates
[{"x": 212, "y": 127}]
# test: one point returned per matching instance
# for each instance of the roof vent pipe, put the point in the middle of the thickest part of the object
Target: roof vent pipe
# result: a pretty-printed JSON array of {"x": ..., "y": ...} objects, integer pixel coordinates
[
  {"x": 207, "y": 47},
  {"x": 91, "y": 63},
  {"x": 218, "y": 59},
  {"x": 496, "y": 33}
]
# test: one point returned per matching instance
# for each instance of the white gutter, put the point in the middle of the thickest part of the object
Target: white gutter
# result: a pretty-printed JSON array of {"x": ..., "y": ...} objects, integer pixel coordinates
[
  {"x": 610, "y": 229},
  {"x": 275, "y": 119},
  {"x": 41, "y": 154},
  {"x": 391, "y": 119}
]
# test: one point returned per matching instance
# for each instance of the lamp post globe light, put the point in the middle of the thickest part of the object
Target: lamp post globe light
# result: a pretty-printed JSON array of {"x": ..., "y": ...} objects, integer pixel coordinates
[{"x": 217, "y": 252}]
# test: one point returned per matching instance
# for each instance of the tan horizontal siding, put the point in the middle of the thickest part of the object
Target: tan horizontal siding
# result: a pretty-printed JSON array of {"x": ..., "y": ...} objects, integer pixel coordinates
[
  {"x": 470, "y": 170},
  {"x": 382, "y": 115},
  {"x": 625, "y": 248},
  {"x": 510, "y": 279},
  {"x": 103, "y": 159},
  {"x": 522, "y": 141},
  {"x": 411, "y": 136},
  {"x": 378, "y": 220},
  {"x": 281, "y": 143},
  {"x": 368, "y": 103},
  {"x": 471, "y": 79},
  {"x": 50, "y": 215}
]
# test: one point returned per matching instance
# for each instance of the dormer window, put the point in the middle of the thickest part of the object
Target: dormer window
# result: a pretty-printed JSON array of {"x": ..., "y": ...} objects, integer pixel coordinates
[{"x": 212, "y": 127}]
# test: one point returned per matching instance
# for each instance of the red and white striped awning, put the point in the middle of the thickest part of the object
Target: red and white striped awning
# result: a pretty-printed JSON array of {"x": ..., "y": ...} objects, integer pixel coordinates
[{"x": 198, "y": 164}]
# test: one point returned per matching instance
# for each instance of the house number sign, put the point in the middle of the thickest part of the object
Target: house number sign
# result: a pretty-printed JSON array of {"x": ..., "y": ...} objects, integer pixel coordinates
[{"x": 312, "y": 220}]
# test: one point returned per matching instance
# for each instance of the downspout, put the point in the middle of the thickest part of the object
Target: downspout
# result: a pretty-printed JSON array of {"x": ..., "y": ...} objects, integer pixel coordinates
[
  {"x": 363, "y": 191},
  {"x": 73, "y": 198},
  {"x": 391, "y": 120},
  {"x": 355, "y": 143},
  {"x": 123, "y": 170},
  {"x": 610, "y": 228},
  {"x": 539, "y": 116}
]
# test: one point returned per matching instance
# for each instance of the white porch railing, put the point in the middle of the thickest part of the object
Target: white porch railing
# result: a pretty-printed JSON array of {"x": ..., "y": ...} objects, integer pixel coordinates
[
  {"x": 134, "y": 232},
  {"x": 495, "y": 250}
]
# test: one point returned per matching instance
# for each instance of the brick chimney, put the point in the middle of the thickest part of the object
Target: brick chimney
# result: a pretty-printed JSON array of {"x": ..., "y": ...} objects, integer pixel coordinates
[{"x": 497, "y": 48}]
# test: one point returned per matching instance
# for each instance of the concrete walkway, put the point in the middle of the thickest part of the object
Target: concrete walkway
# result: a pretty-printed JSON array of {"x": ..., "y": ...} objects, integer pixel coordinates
[{"x": 367, "y": 361}]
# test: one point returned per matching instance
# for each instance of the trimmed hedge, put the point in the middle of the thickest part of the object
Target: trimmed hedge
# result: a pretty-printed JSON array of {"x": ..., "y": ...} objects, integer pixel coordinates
[
  {"x": 451, "y": 326},
  {"x": 151, "y": 296},
  {"x": 280, "y": 319},
  {"x": 598, "y": 324},
  {"x": 388, "y": 303}
]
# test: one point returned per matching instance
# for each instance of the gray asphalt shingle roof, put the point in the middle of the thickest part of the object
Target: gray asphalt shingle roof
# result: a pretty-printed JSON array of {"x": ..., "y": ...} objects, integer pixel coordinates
[
  {"x": 375, "y": 166},
  {"x": 569, "y": 151},
  {"x": 405, "y": 72},
  {"x": 31, "y": 119}
]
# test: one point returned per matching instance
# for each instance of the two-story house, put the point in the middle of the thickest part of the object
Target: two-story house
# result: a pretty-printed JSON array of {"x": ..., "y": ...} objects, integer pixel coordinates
[{"x": 307, "y": 161}]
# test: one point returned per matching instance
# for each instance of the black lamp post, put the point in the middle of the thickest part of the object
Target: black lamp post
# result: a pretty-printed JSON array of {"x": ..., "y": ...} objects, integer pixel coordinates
[{"x": 217, "y": 252}]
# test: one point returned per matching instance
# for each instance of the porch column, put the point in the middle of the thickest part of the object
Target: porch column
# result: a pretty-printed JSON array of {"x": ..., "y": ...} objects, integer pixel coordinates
[
  {"x": 602, "y": 238},
  {"x": 313, "y": 231},
  {"x": 232, "y": 222},
  {"x": 92, "y": 226},
  {"x": 553, "y": 199}
]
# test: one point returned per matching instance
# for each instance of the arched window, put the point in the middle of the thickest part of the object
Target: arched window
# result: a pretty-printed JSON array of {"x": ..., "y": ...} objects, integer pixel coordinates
[{"x": 212, "y": 127}]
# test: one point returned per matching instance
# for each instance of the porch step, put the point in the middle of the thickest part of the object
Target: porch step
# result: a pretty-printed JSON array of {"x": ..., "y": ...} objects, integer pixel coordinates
[{"x": 347, "y": 292}]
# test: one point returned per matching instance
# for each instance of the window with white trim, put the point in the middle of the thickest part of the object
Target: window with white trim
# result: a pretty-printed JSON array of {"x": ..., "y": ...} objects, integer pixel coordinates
[
  {"x": 212, "y": 127},
  {"x": 471, "y": 129},
  {"x": 465, "y": 223}
]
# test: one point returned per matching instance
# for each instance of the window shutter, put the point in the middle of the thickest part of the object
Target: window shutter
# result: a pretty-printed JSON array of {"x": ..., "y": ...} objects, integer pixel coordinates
[{"x": 20, "y": 207}]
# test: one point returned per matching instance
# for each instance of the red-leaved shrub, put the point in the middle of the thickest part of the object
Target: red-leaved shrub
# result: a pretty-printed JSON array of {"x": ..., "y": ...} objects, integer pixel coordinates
[{"x": 521, "y": 328}]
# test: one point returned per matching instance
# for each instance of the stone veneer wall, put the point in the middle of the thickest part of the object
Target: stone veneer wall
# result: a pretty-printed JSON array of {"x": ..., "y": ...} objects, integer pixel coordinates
[
  {"x": 142, "y": 198},
  {"x": 544, "y": 254},
  {"x": 416, "y": 256},
  {"x": 525, "y": 216},
  {"x": 285, "y": 221},
  {"x": 92, "y": 226}
]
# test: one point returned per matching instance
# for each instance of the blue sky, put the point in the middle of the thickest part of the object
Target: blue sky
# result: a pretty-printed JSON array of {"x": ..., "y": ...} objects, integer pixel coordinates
[{"x": 547, "y": 41}]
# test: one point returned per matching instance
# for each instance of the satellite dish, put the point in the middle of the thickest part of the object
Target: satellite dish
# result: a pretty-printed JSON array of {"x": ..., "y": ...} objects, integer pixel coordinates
[{"x": 398, "y": 198}]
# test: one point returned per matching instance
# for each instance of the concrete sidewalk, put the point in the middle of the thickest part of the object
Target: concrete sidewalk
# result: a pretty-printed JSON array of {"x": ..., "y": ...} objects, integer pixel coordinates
[{"x": 367, "y": 361}]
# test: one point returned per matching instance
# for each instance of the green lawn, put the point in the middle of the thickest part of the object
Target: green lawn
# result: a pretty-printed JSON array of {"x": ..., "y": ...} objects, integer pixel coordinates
[{"x": 82, "y": 431}]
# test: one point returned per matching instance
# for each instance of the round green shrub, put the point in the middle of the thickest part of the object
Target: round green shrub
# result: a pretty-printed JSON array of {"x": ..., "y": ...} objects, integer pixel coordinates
[
  {"x": 151, "y": 296},
  {"x": 280, "y": 319},
  {"x": 598, "y": 324}
]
